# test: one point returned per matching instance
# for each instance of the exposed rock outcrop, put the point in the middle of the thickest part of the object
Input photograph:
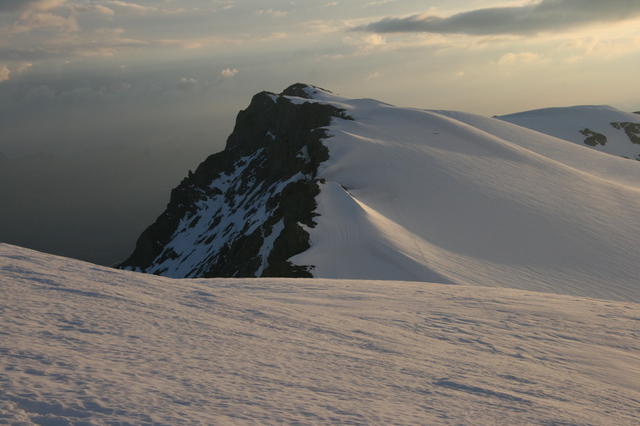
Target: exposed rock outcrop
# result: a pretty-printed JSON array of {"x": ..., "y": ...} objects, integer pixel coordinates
[
  {"x": 243, "y": 212},
  {"x": 593, "y": 138},
  {"x": 631, "y": 129}
]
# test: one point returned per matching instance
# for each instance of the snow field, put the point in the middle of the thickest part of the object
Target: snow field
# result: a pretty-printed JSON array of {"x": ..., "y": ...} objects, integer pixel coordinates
[
  {"x": 83, "y": 344},
  {"x": 455, "y": 197}
]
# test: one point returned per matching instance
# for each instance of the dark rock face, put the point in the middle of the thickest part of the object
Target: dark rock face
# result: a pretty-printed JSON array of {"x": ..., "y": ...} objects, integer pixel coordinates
[
  {"x": 593, "y": 138},
  {"x": 242, "y": 212},
  {"x": 631, "y": 129},
  {"x": 302, "y": 90}
]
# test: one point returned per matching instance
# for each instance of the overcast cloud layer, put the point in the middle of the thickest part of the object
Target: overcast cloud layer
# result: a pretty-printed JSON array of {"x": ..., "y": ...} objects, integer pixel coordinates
[{"x": 548, "y": 15}]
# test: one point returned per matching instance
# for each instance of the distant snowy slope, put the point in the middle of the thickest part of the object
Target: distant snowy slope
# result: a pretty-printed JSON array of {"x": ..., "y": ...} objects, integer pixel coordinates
[
  {"x": 83, "y": 344},
  {"x": 453, "y": 197},
  {"x": 601, "y": 127}
]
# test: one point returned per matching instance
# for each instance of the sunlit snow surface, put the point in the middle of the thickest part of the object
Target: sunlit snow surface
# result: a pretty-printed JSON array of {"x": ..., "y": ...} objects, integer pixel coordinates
[
  {"x": 453, "y": 197},
  {"x": 566, "y": 123},
  {"x": 82, "y": 344}
]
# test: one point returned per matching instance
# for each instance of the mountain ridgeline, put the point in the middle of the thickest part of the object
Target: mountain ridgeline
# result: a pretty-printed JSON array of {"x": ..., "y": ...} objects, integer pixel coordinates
[
  {"x": 602, "y": 128},
  {"x": 243, "y": 212},
  {"x": 312, "y": 184}
]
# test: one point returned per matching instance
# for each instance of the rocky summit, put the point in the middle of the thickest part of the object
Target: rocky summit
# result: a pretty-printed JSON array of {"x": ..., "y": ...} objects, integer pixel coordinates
[{"x": 243, "y": 212}]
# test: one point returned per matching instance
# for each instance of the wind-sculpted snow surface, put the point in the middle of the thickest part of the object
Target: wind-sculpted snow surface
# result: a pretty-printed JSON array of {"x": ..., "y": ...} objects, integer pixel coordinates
[
  {"x": 604, "y": 128},
  {"x": 83, "y": 344}
]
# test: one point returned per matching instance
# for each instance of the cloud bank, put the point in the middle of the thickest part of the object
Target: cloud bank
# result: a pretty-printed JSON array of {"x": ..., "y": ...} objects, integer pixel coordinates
[
  {"x": 229, "y": 72},
  {"x": 546, "y": 15}
]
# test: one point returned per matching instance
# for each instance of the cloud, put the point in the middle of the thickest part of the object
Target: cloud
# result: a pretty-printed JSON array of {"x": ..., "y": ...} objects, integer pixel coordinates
[
  {"x": 131, "y": 6},
  {"x": 542, "y": 16},
  {"x": 139, "y": 9},
  {"x": 273, "y": 13},
  {"x": 35, "y": 14},
  {"x": 46, "y": 20},
  {"x": 103, "y": 10},
  {"x": 186, "y": 83},
  {"x": 520, "y": 58},
  {"x": 32, "y": 5},
  {"x": 379, "y": 2},
  {"x": 22, "y": 67},
  {"x": 12, "y": 5},
  {"x": 93, "y": 8},
  {"x": 229, "y": 72},
  {"x": 5, "y": 73},
  {"x": 373, "y": 76}
]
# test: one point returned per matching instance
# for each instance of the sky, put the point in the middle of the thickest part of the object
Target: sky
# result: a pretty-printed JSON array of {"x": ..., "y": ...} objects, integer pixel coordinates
[
  {"x": 485, "y": 56},
  {"x": 130, "y": 94}
]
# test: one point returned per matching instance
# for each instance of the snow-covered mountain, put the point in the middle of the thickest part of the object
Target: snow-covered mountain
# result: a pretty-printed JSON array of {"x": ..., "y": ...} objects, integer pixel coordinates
[
  {"x": 241, "y": 212},
  {"x": 603, "y": 128},
  {"x": 313, "y": 184},
  {"x": 84, "y": 344}
]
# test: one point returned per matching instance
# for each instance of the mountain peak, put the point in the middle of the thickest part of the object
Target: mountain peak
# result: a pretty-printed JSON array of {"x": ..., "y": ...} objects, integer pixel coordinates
[
  {"x": 244, "y": 211},
  {"x": 387, "y": 193},
  {"x": 303, "y": 90}
]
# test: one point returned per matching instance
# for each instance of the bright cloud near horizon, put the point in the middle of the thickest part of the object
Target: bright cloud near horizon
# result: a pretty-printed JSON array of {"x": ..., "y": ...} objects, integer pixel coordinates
[{"x": 149, "y": 56}]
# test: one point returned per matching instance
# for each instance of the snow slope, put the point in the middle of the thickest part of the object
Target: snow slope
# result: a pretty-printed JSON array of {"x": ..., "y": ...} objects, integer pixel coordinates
[
  {"x": 452, "y": 197},
  {"x": 83, "y": 344},
  {"x": 567, "y": 123}
]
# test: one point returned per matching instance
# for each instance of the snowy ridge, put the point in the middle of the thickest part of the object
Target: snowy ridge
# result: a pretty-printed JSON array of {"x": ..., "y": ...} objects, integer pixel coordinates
[
  {"x": 455, "y": 197},
  {"x": 436, "y": 196},
  {"x": 600, "y": 127},
  {"x": 83, "y": 344}
]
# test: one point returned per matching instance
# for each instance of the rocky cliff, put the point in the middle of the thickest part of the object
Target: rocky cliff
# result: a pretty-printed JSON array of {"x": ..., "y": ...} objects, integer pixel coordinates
[{"x": 244, "y": 210}]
